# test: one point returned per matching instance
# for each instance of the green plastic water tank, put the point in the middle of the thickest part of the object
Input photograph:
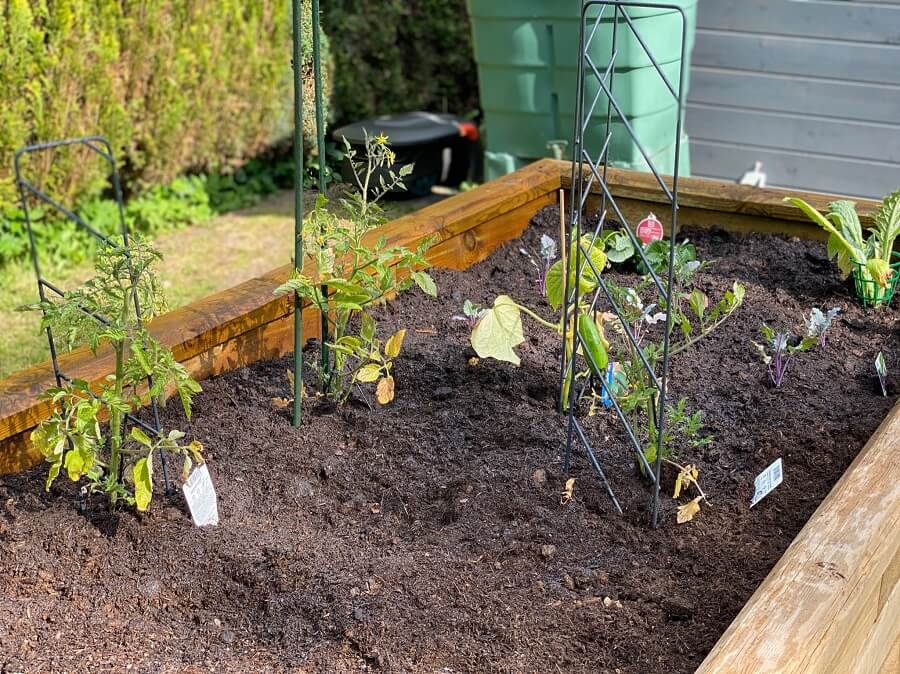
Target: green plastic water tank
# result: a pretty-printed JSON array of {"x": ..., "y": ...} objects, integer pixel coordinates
[{"x": 527, "y": 56}]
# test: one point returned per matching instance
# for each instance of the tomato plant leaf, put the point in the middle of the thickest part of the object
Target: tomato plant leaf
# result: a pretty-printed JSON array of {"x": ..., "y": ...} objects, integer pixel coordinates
[
  {"x": 384, "y": 392},
  {"x": 143, "y": 482}
]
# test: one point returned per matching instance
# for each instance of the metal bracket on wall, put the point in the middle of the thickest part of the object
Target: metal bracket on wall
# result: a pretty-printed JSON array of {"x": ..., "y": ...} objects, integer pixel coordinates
[
  {"x": 102, "y": 147},
  {"x": 589, "y": 170}
]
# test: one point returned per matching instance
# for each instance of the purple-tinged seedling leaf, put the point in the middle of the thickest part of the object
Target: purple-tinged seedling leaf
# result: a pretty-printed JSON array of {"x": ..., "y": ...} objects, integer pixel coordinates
[
  {"x": 818, "y": 323},
  {"x": 881, "y": 371}
]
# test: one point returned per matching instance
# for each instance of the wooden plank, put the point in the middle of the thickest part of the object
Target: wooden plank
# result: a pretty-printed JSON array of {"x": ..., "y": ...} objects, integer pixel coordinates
[
  {"x": 822, "y": 594},
  {"x": 717, "y": 196},
  {"x": 829, "y": 59},
  {"x": 892, "y": 664},
  {"x": 248, "y": 322},
  {"x": 790, "y": 93},
  {"x": 803, "y": 171},
  {"x": 635, "y": 210},
  {"x": 878, "y": 24},
  {"x": 789, "y": 131}
]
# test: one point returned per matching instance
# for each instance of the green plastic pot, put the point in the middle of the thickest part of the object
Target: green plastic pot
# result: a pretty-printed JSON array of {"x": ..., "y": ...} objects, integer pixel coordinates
[{"x": 527, "y": 56}]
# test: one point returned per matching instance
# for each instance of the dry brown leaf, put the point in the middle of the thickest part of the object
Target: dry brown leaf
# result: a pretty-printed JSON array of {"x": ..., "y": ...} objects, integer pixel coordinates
[
  {"x": 385, "y": 390},
  {"x": 568, "y": 491},
  {"x": 281, "y": 403},
  {"x": 687, "y": 511},
  {"x": 474, "y": 360}
]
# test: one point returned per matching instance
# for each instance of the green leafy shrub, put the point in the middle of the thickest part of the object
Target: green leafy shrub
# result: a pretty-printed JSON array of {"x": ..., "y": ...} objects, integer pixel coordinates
[
  {"x": 397, "y": 55},
  {"x": 175, "y": 85}
]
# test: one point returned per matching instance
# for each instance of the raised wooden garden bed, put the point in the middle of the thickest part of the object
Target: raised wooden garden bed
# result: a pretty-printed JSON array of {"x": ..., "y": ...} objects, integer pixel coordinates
[{"x": 831, "y": 604}]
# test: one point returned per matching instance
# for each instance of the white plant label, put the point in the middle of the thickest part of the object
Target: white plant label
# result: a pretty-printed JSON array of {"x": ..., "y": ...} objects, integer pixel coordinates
[
  {"x": 201, "y": 497},
  {"x": 766, "y": 481}
]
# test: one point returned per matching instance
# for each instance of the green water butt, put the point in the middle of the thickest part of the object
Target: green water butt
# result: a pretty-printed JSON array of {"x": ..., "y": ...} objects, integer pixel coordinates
[
  {"x": 497, "y": 164},
  {"x": 528, "y": 134},
  {"x": 539, "y": 91},
  {"x": 527, "y": 55}
]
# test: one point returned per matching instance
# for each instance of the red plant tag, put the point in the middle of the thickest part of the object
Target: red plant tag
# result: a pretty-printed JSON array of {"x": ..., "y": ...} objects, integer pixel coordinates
[{"x": 649, "y": 229}]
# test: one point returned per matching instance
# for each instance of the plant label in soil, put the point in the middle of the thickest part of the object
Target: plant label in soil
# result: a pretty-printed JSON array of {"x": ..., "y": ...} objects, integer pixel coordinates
[
  {"x": 201, "y": 497},
  {"x": 766, "y": 481},
  {"x": 649, "y": 229}
]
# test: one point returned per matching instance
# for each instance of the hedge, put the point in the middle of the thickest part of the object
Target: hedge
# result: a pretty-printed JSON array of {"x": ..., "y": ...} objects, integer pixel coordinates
[
  {"x": 397, "y": 55},
  {"x": 176, "y": 85}
]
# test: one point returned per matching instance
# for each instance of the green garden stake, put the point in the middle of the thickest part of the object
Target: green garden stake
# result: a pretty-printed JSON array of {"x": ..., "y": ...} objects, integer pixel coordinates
[
  {"x": 298, "y": 211},
  {"x": 320, "y": 144}
]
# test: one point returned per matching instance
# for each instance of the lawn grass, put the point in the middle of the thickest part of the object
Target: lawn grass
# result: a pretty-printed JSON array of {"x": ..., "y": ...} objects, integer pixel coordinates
[{"x": 197, "y": 261}]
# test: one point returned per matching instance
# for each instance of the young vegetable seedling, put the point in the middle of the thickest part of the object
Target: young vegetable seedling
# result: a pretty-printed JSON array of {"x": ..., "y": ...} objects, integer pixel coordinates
[
  {"x": 870, "y": 259},
  {"x": 783, "y": 351},
  {"x": 547, "y": 255},
  {"x": 103, "y": 311},
  {"x": 818, "y": 323},
  {"x": 471, "y": 312},
  {"x": 881, "y": 372}
]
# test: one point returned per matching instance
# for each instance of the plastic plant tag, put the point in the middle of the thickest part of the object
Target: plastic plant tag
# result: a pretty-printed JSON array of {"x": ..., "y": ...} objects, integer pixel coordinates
[
  {"x": 201, "y": 497},
  {"x": 766, "y": 481},
  {"x": 649, "y": 229}
]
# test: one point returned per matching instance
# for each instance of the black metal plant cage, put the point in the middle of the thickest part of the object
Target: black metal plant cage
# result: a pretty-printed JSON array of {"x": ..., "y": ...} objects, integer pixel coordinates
[
  {"x": 589, "y": 169},
  {"x": 101, "y": 147}
]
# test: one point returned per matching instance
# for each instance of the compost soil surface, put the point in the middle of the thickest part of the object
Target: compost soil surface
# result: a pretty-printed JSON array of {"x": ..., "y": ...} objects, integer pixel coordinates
[{"x": 430, "y": 535}]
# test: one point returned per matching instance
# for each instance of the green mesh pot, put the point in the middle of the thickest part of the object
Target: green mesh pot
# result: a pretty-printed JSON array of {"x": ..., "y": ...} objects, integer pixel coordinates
[{"x": 869, "y": 293}]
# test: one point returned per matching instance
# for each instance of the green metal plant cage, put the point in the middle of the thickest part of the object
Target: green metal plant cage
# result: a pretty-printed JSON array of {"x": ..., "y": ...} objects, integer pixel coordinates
[{"x": 869, "y": 293}]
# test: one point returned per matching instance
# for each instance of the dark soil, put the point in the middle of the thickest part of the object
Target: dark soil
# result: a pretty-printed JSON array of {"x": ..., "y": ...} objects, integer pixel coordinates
[{"x": 429, "y": 536}]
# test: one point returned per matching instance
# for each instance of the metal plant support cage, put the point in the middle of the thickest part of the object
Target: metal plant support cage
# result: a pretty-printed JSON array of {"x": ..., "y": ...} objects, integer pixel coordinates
[
  {"x": 587, "y": 171},
  {"x": 102, "y": 147}
]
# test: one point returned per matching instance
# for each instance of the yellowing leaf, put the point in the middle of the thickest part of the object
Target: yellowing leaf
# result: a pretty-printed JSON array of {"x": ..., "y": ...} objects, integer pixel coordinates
[
  {"x": 499, "y": 331},
  {"x": 143, "y": 482},
  {"x": 186, "y": 467},
  {"x": 569, "y": 491},
  {"x": 384, "y": 392},
  {"x": 392, "y": 348},
  {"x": 688, "y": 510},
  {"x": 686, "y": 476},
  {"x": 474, "y": 360},
  {"x": 369, "y": 373}
]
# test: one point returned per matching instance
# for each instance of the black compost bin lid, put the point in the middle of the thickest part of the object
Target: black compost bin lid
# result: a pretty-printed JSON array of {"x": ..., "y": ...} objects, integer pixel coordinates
[{"x": 408, "y": 128}]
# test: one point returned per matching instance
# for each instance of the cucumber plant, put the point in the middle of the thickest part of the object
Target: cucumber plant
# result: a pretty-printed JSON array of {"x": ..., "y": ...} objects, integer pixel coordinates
[
  {"x": 112, "y": 460},
  {"x": 355, "y": 274},
  {"x": 498, "y": 331}
]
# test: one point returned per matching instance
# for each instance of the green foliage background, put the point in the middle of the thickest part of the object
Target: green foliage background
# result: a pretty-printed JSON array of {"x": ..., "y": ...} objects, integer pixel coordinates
[
  {"x": 397, "y": 55},
  {"x": 176, "y": 85}
]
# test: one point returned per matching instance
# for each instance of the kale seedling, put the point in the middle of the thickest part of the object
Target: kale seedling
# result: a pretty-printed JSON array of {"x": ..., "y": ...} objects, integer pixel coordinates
[
  {"x": 114, "y": 462},
  {"x": 547, "y": 255},
  {"x": 355, "y": 274},
  {"x": 782, "y": 351},
  {"x": 818, "y": 323},
  {"x": 881, "y": 372},
  {"x": 470, "y": 315}
]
